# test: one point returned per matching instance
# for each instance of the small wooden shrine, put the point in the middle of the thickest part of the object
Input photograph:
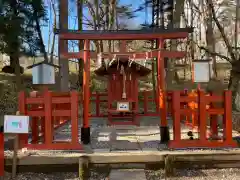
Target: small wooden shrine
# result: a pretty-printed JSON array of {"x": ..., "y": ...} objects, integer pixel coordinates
[{"x": 123, "y": 76}]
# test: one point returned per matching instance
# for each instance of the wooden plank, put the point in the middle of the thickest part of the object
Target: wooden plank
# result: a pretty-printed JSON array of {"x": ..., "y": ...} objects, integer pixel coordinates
[
  {"x": 36, "y": 160},
  {"x": 128, "y": 157},
  {"x": 48, "y": 153},
  {"x": 225, "y": 157},
  {"x": 206, "y": 164}
]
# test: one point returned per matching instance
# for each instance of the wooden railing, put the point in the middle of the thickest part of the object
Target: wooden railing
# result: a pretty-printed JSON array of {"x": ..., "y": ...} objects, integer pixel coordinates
[
  {"x": 147, "y": 104},
  {"x": 204, "y": 112},
  {"x": 49, "y": 111}
]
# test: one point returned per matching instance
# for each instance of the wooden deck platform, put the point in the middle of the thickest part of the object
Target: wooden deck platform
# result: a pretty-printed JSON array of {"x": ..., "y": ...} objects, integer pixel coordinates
[
  {"x": 124, "y": 145},
  {"x": 106, "y": 157}
]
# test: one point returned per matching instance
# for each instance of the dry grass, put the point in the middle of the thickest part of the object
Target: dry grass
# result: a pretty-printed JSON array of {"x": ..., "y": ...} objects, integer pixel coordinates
[{"x": 236, "y": 121}]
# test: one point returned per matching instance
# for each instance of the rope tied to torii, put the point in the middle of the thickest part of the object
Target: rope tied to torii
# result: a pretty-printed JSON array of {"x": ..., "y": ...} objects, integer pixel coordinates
[
  {"x": 122, "y": 71},
  {"x": 113, "y": 59},
  {"x": 131, "y": 60},
  {"x": 99, "y": 59},
  {"x": 147, "y": 57}
]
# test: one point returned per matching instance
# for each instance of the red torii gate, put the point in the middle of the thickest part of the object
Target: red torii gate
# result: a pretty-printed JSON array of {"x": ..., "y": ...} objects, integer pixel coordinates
[{"x": 160, "y": 53}]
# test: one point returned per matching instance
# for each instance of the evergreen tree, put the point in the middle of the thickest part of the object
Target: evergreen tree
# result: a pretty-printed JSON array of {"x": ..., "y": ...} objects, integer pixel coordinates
[
  {"x": 20, "y": 33},
  {"x": 20, "y": 29}
]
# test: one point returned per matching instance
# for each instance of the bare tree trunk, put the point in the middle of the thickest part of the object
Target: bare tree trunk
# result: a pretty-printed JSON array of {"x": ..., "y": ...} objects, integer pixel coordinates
[
  {"x": 192, "y": 35},
  {"x": 234, "y": 81},
  {"x": 54, "y": 27},
  {"x": 210, "y": 38},
  {"x": 153, "y": 46},
  {"x": 111, "y": 17},
  {"x": 97, "y": 24},
  {"x": 38, "y": 28},
  {"x": 179, "y": 10},
  {"x": 236, "y": 25},
  {"x": 14, "y": 56},
  {"x": 81, "y": 43},
  {"x": 63, "y": 46},
  {"x": 220, "y": 28},
  {"x": 98, "y": 27},
  {"x": 16, "y": 64},
  {"x": 234, "y": 86}
]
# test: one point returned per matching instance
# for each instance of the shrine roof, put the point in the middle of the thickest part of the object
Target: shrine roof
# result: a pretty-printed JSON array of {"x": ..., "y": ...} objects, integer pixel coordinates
[
  {"x": 41, "y": 63},
  {"x": 133, "y": 66}
]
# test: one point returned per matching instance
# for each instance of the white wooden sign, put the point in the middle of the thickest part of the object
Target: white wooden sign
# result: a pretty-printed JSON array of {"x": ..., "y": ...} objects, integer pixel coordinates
[
  {"x": 16, "y": 124},
  {"x": 43, "y": 74},
  {"x": 123, "y": 106},
  {"x": 201, "y": 71}
]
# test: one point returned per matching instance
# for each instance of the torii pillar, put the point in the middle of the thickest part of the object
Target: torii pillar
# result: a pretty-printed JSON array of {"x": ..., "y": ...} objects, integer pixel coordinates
[
  {"x": 164, "y": 128},
  {"x": 63, "y": 47}
]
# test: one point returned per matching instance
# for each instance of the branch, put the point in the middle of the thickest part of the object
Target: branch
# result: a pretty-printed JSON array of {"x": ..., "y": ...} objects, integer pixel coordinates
[
  {"x": 38, "y": 29},
  {"x": 220, "y": 28},
  {"x": 93, "y": 14},
  {"x": 215, "y": 54}
]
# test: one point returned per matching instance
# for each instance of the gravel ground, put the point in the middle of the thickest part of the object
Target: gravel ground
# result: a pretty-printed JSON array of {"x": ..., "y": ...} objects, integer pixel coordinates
[
  {"x": 211, "y": 174},
  {"x": 226, "y": 174}
]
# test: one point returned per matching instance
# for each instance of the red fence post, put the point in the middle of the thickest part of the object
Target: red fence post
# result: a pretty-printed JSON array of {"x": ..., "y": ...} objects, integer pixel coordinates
[
  {"x": 1, "y": 155},
  {"x": 202, "y": 115},
  {"x": 48, "y": 117},
  {"x": 34, "y": 123},
  {"x": 228, "y": 115},
  {"x": 186, "y": 117},
  {"x": 214, "y": 119},
  {"x": 23, "y": 138},
  {"x": 74, "y": 116},
  {"x": 176, "y": 116},
  {"x": 34, "y": 127},
  {"x": 42, "y": 123}
]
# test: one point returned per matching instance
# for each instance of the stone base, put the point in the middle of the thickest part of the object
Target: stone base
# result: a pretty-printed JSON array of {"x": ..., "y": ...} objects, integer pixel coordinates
[
  {"x": 85, "y": 135},
  {"x": 165, "y": 135},
  {"x": 1, "y": 129}
]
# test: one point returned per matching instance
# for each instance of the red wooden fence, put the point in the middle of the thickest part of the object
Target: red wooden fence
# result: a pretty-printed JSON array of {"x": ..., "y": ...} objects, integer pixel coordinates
[
  {"x": 98, "y": 99},
  {"x": 202, "y": 112},
  {"x": 51, "y": 110},
  {"x": 47, "y": 109}
]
